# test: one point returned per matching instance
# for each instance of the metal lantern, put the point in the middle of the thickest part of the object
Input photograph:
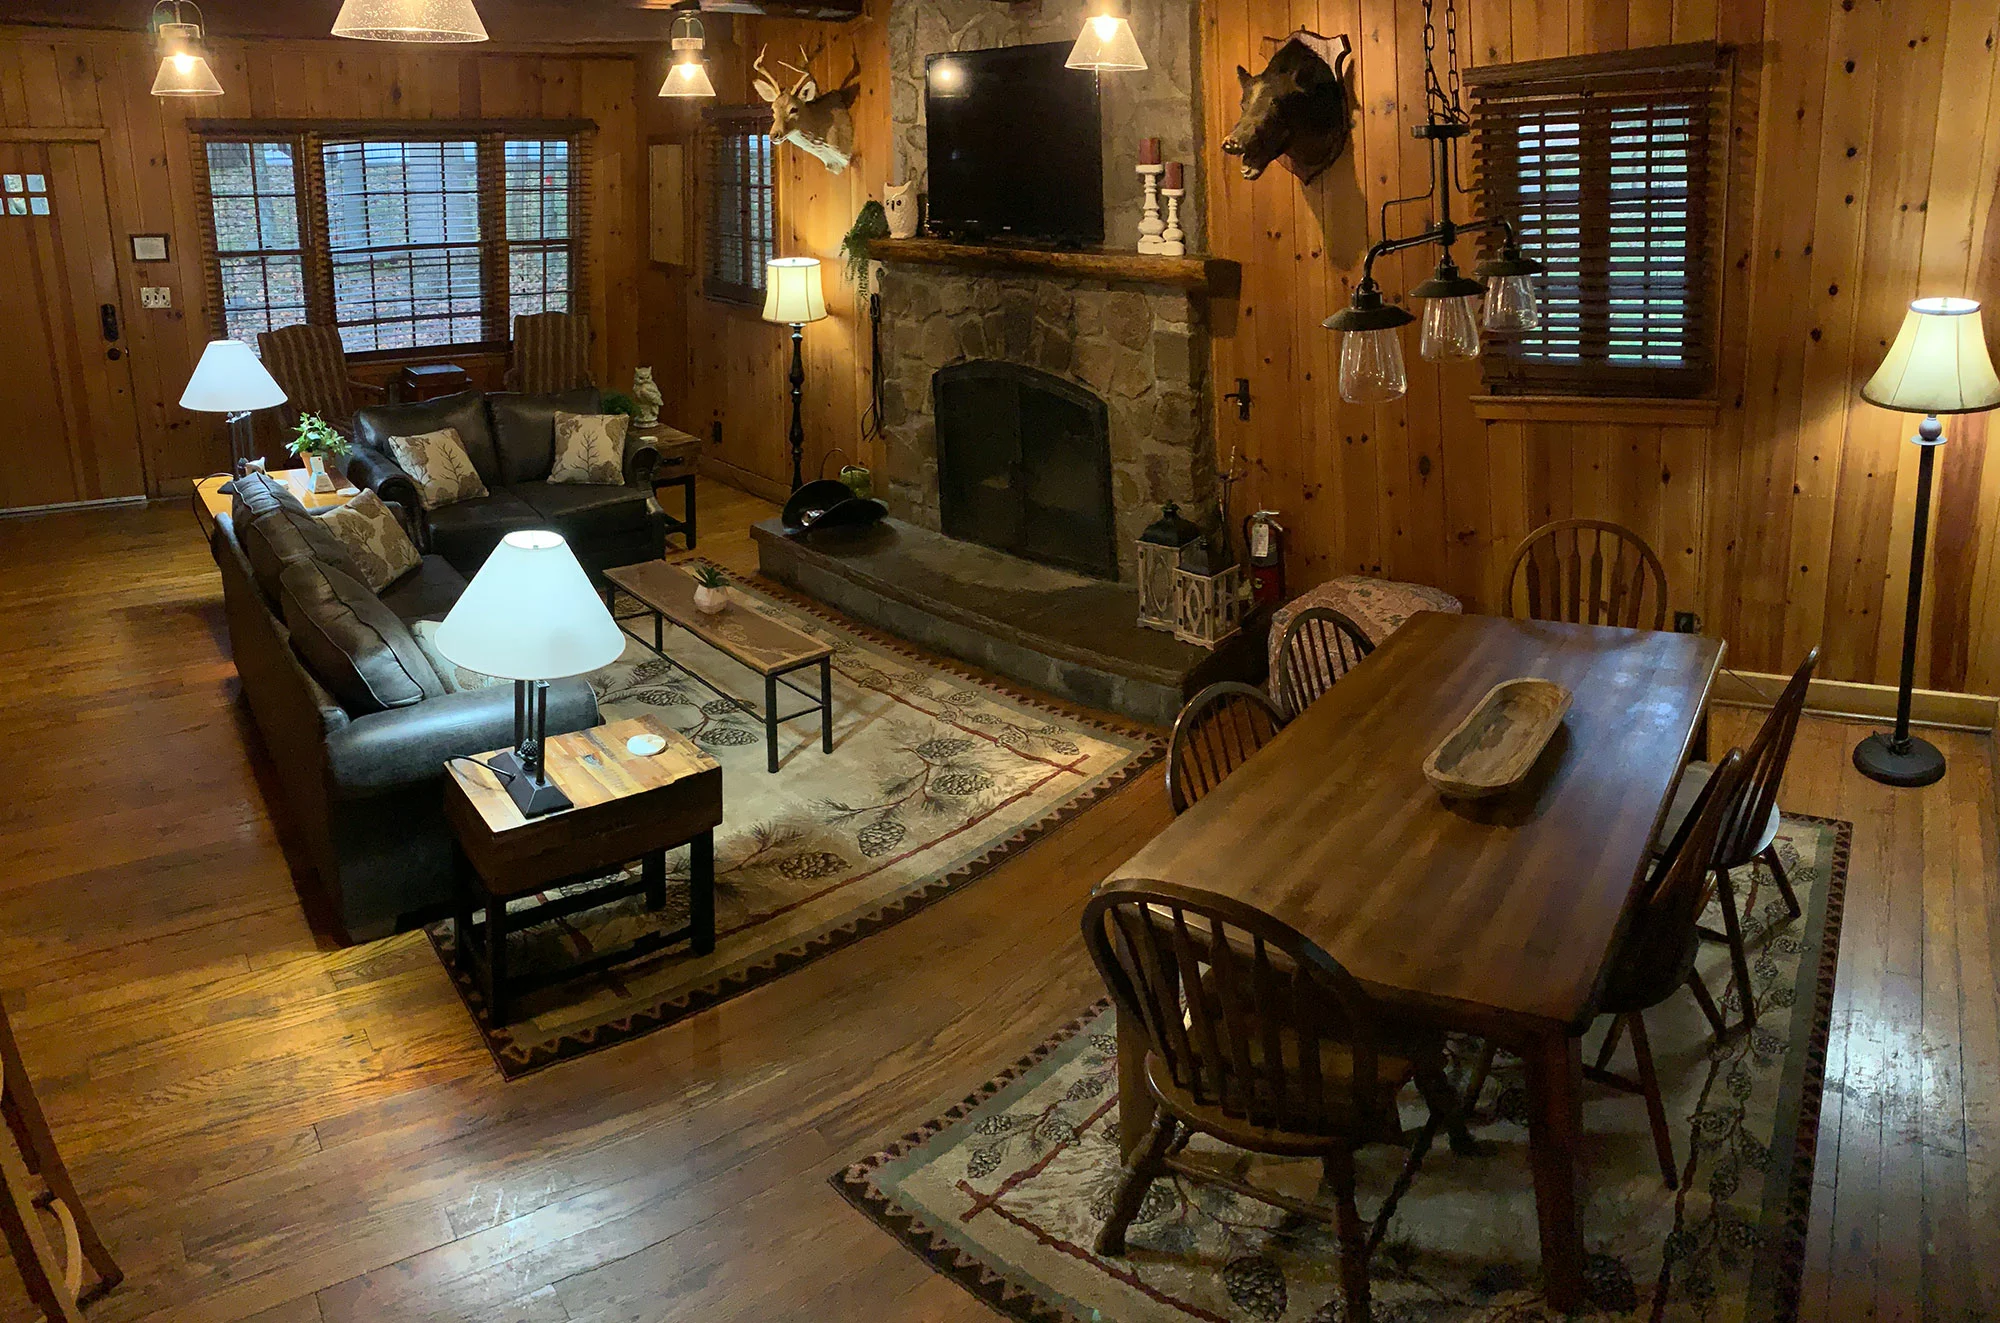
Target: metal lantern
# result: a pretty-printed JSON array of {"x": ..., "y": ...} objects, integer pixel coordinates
[
  {"x": 1209, "y": 592},
  {"x": 1161, "y": 547}
]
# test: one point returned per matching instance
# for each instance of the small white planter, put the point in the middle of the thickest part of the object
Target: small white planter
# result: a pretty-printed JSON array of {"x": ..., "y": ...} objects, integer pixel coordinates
[
  {"x": 322, "y": 481},
  {"x": 711, "y": 601}
]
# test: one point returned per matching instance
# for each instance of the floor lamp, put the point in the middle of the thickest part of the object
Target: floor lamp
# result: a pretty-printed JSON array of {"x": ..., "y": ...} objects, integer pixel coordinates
[
  {"x": 793, "y": 297},
  {"x": 230, "y": 380},
  {"x": 1938, "y": 365}
]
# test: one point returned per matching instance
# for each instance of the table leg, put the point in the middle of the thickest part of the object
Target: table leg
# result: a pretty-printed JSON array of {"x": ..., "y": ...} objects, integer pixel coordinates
[
  {"x": 1555, "y": 1125},
  {"x": 771, "y": 719},
  {"x": 701, "y": 892},
  {"x": 461, "y": 922},
  {"x": 659, "y": 632},
  {"x": 496, "y": 961},
  {"x": 1135, "y": 1101},
  {"x": 687, "y": 489},
  {"x": 653, "y": 872},
  {"x": 826, "y": 705}
]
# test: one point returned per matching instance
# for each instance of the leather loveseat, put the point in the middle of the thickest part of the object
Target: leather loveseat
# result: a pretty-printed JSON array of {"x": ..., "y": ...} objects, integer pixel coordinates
[{"x": 510, "y": 439}]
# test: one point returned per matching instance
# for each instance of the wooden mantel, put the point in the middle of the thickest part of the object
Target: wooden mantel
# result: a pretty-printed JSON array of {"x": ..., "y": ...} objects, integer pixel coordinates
[{"x": 1210, "y": 275}]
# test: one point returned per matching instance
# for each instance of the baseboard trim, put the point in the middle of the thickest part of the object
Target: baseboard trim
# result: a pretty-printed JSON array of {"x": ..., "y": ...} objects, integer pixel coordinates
[
  {"x": 59, "y": 506},
  {"x": 1864, "y": 702},
  {"x": 754, "y": 483}
]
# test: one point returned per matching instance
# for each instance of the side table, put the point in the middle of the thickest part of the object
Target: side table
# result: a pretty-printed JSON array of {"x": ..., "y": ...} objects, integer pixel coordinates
[
  {"x": 627, "y": 806},
  {"x": 676, "y": 468},
  {"x": 427, "y": 381}
]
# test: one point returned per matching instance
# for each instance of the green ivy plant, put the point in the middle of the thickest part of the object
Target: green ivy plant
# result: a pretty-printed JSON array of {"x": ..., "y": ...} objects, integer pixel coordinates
[
  {"x": 619, "y": 402},
  {"x": 870, "y": 224},
  {"x": 315, "y": 436}
]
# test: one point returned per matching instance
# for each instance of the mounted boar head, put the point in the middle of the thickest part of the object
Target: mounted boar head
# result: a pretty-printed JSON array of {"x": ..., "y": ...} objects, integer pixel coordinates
[
  {"x": 1297, "y": 108},
  {"x": 822, "y": 125}
]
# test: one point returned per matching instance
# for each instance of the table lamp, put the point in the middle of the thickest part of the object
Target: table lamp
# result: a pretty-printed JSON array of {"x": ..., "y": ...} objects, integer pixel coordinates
[
  {"x": 1938, "y": 365},
  {"x": 792, "y": 295},
  {"x": 230, "y": 380},
  {"x": 530, "y": 616}
]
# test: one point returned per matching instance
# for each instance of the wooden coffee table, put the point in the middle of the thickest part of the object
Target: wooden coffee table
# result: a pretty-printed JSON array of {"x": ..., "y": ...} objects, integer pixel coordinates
[
  {"x": 769, "y": 648},
  {"x": 627, "y": 806}
]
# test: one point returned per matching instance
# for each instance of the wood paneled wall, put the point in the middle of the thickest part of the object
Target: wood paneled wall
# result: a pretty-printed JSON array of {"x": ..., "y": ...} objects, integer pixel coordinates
[
  {"x": 95, "y": 82},
  {"x": 1864, "y": 172}
]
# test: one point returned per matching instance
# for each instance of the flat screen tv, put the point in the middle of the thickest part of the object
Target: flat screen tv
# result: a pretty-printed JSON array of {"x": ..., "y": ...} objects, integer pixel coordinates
[{"x": 1015, "y": 146}]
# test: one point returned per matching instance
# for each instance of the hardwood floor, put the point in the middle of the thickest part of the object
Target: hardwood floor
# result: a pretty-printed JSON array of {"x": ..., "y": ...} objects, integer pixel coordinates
[{"x": 271, "y": 1127}]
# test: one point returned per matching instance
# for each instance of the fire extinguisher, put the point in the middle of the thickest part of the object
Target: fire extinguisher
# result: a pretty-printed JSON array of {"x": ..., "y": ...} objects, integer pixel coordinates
[{"x": 1265, "y": 537}]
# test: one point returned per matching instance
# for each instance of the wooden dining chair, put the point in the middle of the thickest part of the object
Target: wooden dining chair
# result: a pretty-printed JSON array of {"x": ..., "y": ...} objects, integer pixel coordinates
[
  {"x": 1320, "y": 646},
  {"x": 1259, "y": 1038},
  {"x": 34, "y": 1177},
  {"x": 551, "y": 353},
  {"x": 1214, "y": 735},
  {"x": 1588, "y": 572},
  {"x": 310, "y": 364},
  {"x": 1749, "y": 826}
]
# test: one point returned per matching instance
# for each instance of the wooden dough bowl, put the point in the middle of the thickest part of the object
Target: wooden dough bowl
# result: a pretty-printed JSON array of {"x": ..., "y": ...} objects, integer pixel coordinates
[{"x": 1495, "y": 747}]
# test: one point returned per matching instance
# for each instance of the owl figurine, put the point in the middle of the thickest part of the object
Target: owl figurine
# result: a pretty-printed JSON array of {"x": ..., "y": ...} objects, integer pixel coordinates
[{"x": 646, "y": 394}]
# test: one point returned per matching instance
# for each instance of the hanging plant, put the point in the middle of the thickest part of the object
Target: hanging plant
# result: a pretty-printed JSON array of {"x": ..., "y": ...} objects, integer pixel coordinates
[{"x": 870, "y": 224}]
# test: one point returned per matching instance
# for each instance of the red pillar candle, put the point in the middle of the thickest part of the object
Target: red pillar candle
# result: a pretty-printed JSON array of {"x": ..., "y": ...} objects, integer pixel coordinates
[
  {"x": 1173, "y": 179},
  {"x": 1149, "y": 151}
]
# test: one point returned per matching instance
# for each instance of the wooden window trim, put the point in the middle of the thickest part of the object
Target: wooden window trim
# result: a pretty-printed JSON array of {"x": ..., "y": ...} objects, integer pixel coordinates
[
  {"x": 1690, "y": 74},
  {"x": 744, "y": 122}
]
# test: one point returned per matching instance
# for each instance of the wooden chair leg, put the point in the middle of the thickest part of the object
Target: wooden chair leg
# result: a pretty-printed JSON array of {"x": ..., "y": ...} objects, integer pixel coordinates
[
  {"x": 1656, "y": 1111},
  {"x": 1353, "y": 1239},
  {"x": 1739, "y": 960},
  {"x": 1146, "y": 1167},
  {"x": 1611, "y": 1037},
  {"x": 1777, "y": 867},
  {"x": 53, "y": 1285},
  {"x": 41, "y": 1157}
]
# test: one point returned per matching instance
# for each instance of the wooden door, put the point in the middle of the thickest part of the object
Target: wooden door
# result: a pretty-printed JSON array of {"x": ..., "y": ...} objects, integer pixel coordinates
[{"x": 72, "y": 430}]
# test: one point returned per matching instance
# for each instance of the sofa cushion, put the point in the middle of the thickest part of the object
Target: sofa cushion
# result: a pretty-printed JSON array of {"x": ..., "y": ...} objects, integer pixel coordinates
[
  {"x": 377, "y": 544},
  {"x": 282, "y": 535},
  {"x": 456, "y": 678},
  {"x": 464, "y": 413},
  {"x": 427, "y": 593},
  {"x": 355, "y": 646},
  {"x": 590, "y": 449},
  {"x": 466, "y": 533},
  {"x": 524, "y": 429},
  {"x": 584, "y": 512},
  {"x": 438, "y": 464}
]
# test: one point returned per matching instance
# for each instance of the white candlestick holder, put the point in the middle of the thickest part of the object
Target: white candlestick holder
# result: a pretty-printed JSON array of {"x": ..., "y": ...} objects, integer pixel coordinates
[
  {"x": 1173, "y": 241},
  {"x": 1151, "y": 226}
]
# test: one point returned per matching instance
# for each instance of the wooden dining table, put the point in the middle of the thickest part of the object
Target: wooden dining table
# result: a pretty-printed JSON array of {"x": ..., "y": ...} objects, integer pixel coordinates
[{"x": 1492, "y": 917}]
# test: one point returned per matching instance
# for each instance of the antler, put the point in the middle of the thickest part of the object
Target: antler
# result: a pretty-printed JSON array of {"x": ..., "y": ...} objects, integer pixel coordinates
[
  {"x": 757, "y": 65},
  {"x": 805, "y": 58}
]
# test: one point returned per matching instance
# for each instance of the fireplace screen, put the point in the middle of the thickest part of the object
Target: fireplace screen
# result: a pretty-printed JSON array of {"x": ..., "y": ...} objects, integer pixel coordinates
[{"x": 1024, "y": 465}]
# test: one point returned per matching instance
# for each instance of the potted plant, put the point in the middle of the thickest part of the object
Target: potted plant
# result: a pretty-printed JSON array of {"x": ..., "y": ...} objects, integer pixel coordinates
[
  {"x": 315, "y": 442},
  {"x": 711, "y": 592},
  {"x": 870, "y": 223}
]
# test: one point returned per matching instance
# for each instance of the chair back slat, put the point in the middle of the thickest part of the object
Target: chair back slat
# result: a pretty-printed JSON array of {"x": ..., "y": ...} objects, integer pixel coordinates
[
  {"x": 551, "y": 353},
  {"x": 1679, "y": 887},
  {"x": 310, "y": 364},
  {"x": 1613, "y": 580},
  {"x": 1764, "y": 767},
  {"x": 1238, "y": 1006},
  {"x": 1320, "y": 645},
  {"x": 1214, "y": 735}
]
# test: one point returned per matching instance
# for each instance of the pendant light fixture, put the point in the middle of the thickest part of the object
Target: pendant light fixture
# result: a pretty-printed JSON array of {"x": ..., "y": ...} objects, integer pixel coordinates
[
  {"x": 409, "y": 20},
  {"x": 688, "y": 75},
  {"x": 184, "y": 67},
  {"x": 1106, "y": 44},
  {"x": 1500, "y": 292}
]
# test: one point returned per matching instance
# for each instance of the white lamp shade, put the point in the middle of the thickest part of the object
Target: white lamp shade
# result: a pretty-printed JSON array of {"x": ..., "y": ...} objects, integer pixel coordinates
[
  {"x": 185, "y": 74},
  {"x": 792, "y": 292},
  {"x": 409, "y": 20},
  {"x": 1938, "y": 363},
  {"x": 1106, "y": 45},
  {"x": 530, "y": 614},
  {"x": 688, "y": 79},
  {"x": 229, "y": 379}
]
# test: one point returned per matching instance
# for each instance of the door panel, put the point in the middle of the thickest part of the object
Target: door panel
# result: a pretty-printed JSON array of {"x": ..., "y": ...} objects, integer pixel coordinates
[{"x": 72, "y": 430}]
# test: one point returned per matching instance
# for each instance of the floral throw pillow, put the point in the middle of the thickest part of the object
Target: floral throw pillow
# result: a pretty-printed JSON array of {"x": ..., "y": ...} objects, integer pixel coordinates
[
  {"x": 590, "y": 448},
  {"x": 373, "y": 540},
  {"x": 438, "y": 464}
]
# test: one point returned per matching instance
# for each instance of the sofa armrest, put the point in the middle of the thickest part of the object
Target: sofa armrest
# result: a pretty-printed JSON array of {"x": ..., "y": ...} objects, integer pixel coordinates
[
  {"x": 370, "y": 468},
  {"x": 377, "y": 394},
  {"x": 405, "y": 746}
]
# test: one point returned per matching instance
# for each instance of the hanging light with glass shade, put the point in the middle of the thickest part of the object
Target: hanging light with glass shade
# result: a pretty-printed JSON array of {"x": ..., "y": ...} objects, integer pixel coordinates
[
  {"x": 688, "y": 75},
  {"x": 409, "y": 20},
  {"x": 184, "y": 67},
  {"x": 1500, "y": 293},
  {"x": 1106, "y": 44}
]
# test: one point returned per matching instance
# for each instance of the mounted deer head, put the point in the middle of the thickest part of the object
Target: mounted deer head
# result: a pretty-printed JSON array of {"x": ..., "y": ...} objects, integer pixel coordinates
[
  {"x": 1297, "y": 108},
  {"x": 822, "y": 125}
]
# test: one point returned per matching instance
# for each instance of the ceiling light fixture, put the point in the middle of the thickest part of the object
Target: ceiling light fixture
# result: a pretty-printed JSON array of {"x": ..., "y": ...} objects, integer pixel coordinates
[
  {"x": 184, "y": 67},
  {"x": 409, "y": 20},
  {"x": 688, "y": 76},
  {"x": 1106, "y": 45},
  {"x": 1501, "y": 290}
]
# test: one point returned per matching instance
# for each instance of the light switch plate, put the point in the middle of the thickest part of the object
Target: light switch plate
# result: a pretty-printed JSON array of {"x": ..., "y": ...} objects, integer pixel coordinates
[{"x": 156, "y": 296}]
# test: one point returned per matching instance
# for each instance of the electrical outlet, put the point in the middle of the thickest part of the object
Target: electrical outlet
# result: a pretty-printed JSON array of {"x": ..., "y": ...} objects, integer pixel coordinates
[
  {"x": 1686, "y": 622},
  {"x": 156, "y": 296},
  {"x": 715, "y": 433}
]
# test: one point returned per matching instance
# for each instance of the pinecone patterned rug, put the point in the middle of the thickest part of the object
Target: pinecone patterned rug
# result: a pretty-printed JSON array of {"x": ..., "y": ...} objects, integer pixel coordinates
[
  {"x": 1006, "y": 1191},
  {"x": 935, "y": 777}
]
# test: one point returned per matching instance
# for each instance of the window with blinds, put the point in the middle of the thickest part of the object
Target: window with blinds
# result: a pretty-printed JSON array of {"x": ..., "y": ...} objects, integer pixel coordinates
[
  {"x": 1607, "y": 165},
  {"x": 431, "y": 237},
  {"x": 739, "y": 238}
]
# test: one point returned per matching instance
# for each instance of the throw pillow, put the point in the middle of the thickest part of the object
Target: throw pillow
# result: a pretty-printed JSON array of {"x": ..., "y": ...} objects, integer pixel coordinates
[
  {"x": 438, "y": 464},
  {"x": 590, "y": 448},
  {"x": 456, "y": 678},
  {"x": 354, "y": 645},
  {"x": 381, "y": 551}
]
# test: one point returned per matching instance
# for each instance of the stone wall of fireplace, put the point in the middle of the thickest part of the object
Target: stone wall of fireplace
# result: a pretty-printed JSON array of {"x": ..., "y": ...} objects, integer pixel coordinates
[{"x": 1143, "y": 350}]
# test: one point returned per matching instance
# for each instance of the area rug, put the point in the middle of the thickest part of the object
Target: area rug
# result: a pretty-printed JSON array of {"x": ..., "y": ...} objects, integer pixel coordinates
[
  {"x": 1006, "y": 1191},
  {"x": 935, "y": 777}
]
